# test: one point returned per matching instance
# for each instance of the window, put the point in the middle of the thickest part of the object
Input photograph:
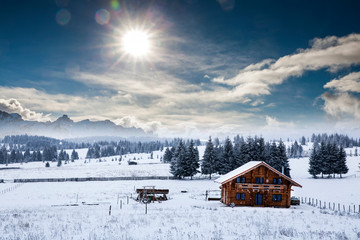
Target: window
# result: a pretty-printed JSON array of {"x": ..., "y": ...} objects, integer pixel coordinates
[
  {"x": 277, "y": 197},
  {"x": 241, "y": 180},
  {"x": 277, "y": 181},
  {"x": 259, "y": 180},
  {"x": 240, "y": 196}
]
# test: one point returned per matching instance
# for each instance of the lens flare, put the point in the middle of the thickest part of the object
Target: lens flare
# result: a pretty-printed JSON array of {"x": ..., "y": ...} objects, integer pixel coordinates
[
  {"x": 115, "y": 5},
  {"x": 63, "y": 17},
  {"x": 102, "y": 16}
]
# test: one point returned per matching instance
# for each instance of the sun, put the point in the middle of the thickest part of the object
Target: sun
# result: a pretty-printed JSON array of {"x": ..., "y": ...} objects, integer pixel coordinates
[{"x": 136, "y": 43}]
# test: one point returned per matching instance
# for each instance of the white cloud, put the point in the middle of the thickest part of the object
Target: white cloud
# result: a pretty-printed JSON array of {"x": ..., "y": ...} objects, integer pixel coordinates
[
  {"x": 13, "y": 106},
  {"x": 273, "y": 123},
  {"x": 132, "y": 121},
  {"x": 348, "y": 83},
  {"x": 331, "y": 52},
  {"x": 341, "y": 105}
]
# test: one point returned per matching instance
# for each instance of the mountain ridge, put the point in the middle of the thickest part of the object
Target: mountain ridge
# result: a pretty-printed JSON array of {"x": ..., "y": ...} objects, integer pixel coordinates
[{"x": 65, "y": 127}]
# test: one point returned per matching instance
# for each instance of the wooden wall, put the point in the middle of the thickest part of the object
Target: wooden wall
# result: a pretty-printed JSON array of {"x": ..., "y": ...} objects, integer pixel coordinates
[{"x": 250, "y": 188}]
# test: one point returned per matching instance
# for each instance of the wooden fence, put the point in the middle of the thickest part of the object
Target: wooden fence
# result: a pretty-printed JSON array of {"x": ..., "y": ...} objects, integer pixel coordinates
[
  {"x": 351, "y": 208},
  {"x": 91, "y": 179},
  {"x": 10, "y": 189}
]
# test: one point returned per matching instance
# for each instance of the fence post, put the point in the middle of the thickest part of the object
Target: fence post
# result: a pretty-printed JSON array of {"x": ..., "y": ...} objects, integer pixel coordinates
[
  {"x": 344, "y": 208},
  {"x": 316, "y": 202},
  {"x": 333, "y": 206},
  {"x": 329, "y": 206},
  {"x": 354, "y": 208},
  {"x": 127, "y": 199},
  {"x": 324, "y": 205},
  {"x": 320, "y": 204},
  {"x": 120, "y": 204},
  {"x": 110, "y": 210}
]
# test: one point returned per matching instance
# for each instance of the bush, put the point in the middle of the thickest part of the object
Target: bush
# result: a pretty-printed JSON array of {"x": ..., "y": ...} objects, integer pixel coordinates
[{"x": 47, "y": 164}]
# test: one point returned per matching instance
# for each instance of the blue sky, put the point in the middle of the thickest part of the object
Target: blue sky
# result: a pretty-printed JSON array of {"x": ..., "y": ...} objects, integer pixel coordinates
[{"x": 219, "y": 67}]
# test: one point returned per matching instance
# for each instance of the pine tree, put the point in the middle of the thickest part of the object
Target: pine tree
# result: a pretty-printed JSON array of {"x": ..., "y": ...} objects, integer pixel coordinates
[
  {"x": 74, "y": 155},
  {"x": 274, "y": 157},
  {"x": 209, "y": 161},
  {"x": 314, "y": 163},
  {"x": 167, "y": 156},
  {"x": 303, "y": 141},
  {"x": 27, "y": 155},
  {"x": 284, "y": 161},
  {"x": 227, "y": 162},
  {"x": 178, "y": 161},
  {"x": 192, "y": 161},
  {"x": 341, "y": 163},
  {"x": 322, "y": 159},
  {"x": 39, "y": 157}
]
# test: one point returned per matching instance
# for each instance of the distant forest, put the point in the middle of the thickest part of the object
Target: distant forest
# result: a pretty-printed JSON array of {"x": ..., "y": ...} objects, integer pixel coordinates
[{"x": 24, "y": 148}]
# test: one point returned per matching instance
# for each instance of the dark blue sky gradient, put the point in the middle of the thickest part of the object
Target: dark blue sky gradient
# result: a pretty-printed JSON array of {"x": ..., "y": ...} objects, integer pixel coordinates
[{"x": 35, "y": 50}]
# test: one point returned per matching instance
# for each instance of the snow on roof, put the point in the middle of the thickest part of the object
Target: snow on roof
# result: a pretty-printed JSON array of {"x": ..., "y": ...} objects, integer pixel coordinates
[
  {"x": 248, "y": 167},
  {"x": 237, "y": 171}
]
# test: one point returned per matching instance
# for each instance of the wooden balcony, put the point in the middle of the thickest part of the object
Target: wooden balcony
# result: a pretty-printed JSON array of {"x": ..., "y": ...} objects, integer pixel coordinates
[{"x": 241, "y": 186}]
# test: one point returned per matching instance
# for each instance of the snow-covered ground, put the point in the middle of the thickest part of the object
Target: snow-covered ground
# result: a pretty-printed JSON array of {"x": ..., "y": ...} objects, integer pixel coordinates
[{"x": 29, "y": 211}]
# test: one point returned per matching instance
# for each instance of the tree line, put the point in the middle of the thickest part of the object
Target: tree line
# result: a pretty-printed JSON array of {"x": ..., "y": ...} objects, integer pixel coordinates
[
  {"x": 327, "y": 158},
  {"x": 221, "y": 159},
  {"x": 47, "y": 155}
]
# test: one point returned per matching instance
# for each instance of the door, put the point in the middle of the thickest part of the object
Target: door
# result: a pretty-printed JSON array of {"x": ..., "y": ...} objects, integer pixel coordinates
[{"x": 258, "y": 199}]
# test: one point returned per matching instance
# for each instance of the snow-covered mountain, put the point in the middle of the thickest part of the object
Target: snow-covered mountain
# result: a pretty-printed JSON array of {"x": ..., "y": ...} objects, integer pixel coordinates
[{"x": 64, "y": 127}]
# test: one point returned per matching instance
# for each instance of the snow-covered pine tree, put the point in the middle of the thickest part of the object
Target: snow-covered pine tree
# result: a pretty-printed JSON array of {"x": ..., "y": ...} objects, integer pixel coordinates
[
  {"x": 39, "y": 157},
  {"x": 219, "y": 150},
  {"x": 283, "y": 159},
  {"x": 192, "y": 161},
  {"x": 341, "y": 167},
  {"x": 167, "y": 156},
  {"x": 178, "y": 161},
  {"x": 322, "y": 159},
  {"x": 244, "y": 154},
  {"x": 209, "y": 161},
  {"x": 74, "y": 155},
  {"x": 303, "y": 141},
  {"x": 314, "y": 163},
  {"x": 274, "y": 157},
  {"x": 27, "y": 155},
  {"x": 227, "y": 160},
  {"x": 260, "y": 149}
]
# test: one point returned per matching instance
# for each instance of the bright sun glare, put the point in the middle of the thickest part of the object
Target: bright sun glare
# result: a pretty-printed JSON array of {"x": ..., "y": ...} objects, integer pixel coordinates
[{"x": 136, "y": 43}]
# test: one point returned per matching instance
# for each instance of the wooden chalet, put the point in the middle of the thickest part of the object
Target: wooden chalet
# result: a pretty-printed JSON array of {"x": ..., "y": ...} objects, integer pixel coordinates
[{"x": 256, "y": 184}]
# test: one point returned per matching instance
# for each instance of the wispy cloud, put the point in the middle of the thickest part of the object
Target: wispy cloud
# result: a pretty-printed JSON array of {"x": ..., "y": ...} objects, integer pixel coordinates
[{"x": 332, "y": 53}]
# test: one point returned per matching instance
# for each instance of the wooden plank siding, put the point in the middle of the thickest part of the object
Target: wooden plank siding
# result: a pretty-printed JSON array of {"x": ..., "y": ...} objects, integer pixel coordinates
[{"x": 250, "y": 188}]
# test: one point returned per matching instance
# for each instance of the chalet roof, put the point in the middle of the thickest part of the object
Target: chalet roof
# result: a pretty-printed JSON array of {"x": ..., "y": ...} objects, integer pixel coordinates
[{"x": 247, "y": 167}]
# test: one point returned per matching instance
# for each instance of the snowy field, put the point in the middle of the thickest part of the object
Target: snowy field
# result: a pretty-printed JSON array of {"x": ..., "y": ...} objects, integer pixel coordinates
[
  {"x": 34, "y": 211},
  {"x": 103, "y": 167}
]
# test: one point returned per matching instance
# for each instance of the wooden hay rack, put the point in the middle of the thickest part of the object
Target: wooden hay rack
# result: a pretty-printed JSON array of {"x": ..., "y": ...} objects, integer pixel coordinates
[{"x": 149, "y": 194}]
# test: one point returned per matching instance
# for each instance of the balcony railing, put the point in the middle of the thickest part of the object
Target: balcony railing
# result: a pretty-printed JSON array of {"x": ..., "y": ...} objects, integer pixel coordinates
[{"x": 260, "y": 186}]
